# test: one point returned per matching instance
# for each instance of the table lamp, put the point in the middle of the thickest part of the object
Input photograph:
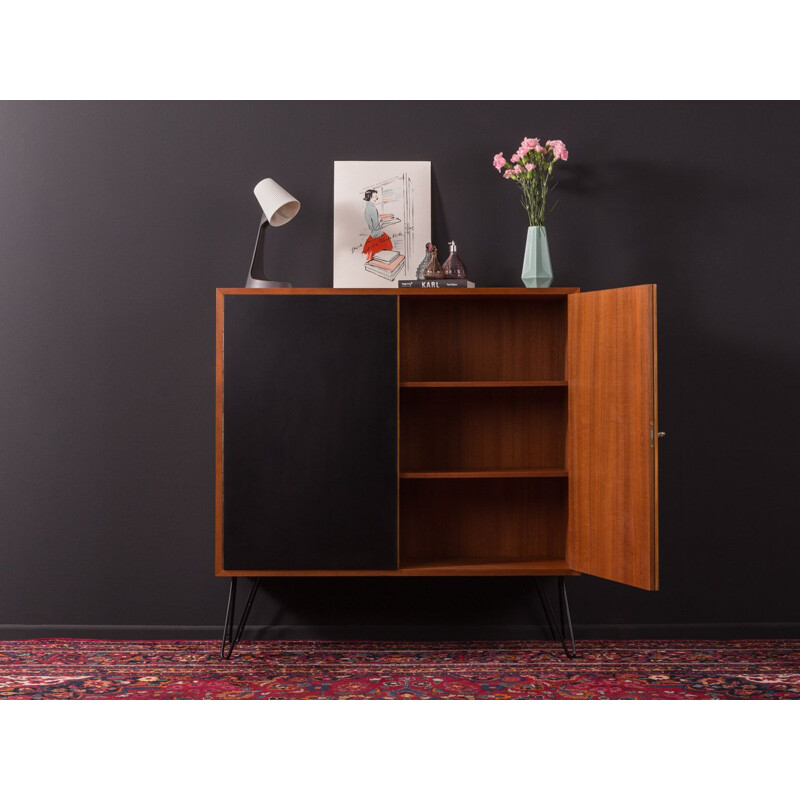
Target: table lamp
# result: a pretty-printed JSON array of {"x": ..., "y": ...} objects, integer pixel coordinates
[{"x": 278, "y": 207}]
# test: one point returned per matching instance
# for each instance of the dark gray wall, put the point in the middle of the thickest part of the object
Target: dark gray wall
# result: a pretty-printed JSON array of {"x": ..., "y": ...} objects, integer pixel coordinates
[{"x": 118, "y": 220}]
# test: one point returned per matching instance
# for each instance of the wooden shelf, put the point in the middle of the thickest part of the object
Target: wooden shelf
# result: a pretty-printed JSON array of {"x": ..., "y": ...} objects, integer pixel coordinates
[
  {"x": 487, "y": 566},
  {"x": 552, "y": 292},
  {"x": 477, "y": 384},
  {"x": 555, "y": 472}
]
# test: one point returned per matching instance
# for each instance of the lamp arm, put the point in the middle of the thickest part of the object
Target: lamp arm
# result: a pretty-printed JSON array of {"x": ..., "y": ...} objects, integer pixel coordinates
[{"x": 257, "y": 250}]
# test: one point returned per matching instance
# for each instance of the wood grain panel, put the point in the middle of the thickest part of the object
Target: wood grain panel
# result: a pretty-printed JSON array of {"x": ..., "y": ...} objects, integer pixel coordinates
[
  {"x": 476, "y": 384},
  {"x": 555, "y": 292},
  {"x": 502, "y": 520},
  {"x": 482, "y": 429},
  {"x": 444, "y": 568},
  {"x": 485, "y": 338},
  {"x": 467, "y": 474},
  {"x": 610, "y": 453}
]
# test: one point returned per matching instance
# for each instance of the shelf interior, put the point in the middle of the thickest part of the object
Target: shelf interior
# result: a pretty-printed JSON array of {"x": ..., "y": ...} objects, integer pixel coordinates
[
  {"x": 487, "y": 520},
  {"x": 498, "y": 428},
  {"x": 482, "y": 339},
  {"x": 482, "y": 435}
]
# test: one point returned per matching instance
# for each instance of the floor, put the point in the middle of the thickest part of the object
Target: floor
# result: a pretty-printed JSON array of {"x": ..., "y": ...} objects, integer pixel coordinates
[{"x": 630, "y": 669}]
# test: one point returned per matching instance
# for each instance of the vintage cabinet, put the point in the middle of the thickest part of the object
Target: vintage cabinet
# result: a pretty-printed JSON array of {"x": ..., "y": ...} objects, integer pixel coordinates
[{"x": 437, "y": 432}]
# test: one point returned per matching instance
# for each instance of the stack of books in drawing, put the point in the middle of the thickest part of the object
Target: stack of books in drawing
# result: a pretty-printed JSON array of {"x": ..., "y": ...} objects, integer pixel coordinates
[{"x": 386, "y": 263}]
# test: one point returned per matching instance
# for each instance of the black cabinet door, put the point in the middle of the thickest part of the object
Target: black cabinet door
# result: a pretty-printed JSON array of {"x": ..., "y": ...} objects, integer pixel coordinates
[{"x": 310, "y": 432}]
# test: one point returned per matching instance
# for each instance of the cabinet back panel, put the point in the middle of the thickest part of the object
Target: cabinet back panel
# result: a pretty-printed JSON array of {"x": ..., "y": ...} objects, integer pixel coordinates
[
  {"x": 310, "y": 432},
  {"x": 482, "y": 338},
  {"x": 492, "y": 519},
  {"x": 480, "y": 429}
]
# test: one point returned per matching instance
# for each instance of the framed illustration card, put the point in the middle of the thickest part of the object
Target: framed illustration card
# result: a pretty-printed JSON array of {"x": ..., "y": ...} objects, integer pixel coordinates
[{"x": 381, "y": 221}]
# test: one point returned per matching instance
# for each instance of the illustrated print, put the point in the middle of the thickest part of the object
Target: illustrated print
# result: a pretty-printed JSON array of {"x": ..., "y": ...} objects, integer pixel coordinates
[{"x": 381, "y": 213}]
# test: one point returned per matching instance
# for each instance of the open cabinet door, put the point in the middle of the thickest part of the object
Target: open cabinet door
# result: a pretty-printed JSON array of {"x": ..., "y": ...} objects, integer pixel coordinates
[{"x": 612, "y": 435}]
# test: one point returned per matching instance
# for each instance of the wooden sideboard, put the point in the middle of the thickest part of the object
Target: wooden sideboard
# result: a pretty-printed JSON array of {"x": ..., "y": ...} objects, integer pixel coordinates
[{"x": 407, "y": 432}]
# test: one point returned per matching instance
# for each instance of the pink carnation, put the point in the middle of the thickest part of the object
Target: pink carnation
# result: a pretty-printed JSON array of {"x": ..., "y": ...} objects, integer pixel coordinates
[
  {"x": 530, "y": 167},
  {"x": 539, "y": 148},
  {"x": 515, "y": 158},
  {"x": 527, "y": 145},
  {"x": 508, "y": 173},
  {"x": 499, "y": 162},
  {"x": 519, "y": 169},
  {"x": 559, "y": 149}
]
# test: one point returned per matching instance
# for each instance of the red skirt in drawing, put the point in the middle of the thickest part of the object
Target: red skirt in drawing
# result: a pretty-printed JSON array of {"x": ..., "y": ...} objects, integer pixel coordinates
[{"x": 372, "y": 246}]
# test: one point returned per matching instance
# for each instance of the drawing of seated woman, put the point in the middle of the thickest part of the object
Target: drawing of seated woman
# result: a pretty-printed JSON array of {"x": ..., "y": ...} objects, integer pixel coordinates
[{"x": 377, "y": 239}]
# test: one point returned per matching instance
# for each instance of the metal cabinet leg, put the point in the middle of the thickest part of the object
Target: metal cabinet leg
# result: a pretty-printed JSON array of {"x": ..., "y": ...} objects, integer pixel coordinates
[
  {"x": 229, "y": 639},
  {"x": 566, "y": 619},
  {"x": 562, "y": 632}
]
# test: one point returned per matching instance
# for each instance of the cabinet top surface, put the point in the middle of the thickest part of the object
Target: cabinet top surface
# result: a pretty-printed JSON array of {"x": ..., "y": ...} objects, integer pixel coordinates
[{"x": 559, "y": 291}]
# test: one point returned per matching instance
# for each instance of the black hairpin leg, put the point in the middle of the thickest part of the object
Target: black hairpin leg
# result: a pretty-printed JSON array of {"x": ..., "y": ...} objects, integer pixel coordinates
[
  {"x": 566, "y": 619},
  {"x": 229, "y": 639},
  {"x": 548, "y": 611},
  {"x": 561, "y": 632}
]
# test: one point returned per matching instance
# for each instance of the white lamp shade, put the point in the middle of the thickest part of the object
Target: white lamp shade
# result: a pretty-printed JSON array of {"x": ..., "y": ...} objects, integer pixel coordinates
[{"x": 278, "y": 205}]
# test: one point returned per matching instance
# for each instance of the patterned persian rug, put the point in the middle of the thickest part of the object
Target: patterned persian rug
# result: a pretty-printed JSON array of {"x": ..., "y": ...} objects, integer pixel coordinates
[{"x": 310, "y": 670}]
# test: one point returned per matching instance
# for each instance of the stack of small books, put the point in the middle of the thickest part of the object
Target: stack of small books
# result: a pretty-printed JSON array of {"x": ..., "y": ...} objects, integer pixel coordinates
[{"x": 440, "y": 284}]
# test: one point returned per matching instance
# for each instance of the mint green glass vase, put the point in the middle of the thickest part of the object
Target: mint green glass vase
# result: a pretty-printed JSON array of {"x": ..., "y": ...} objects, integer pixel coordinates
[{"x": 537, "y": 272}]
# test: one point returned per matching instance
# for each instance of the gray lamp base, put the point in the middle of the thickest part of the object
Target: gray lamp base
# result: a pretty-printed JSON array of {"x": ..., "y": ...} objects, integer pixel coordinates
[{"x": 254, "y": 283}]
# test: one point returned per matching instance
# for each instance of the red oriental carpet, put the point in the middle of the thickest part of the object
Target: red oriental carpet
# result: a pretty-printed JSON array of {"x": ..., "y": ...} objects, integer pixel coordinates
[{"x": 309, "y": 670}]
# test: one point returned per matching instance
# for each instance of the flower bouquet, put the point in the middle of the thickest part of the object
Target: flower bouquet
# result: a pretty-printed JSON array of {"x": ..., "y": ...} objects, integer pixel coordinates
[{"x": 531, "y": 167}]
